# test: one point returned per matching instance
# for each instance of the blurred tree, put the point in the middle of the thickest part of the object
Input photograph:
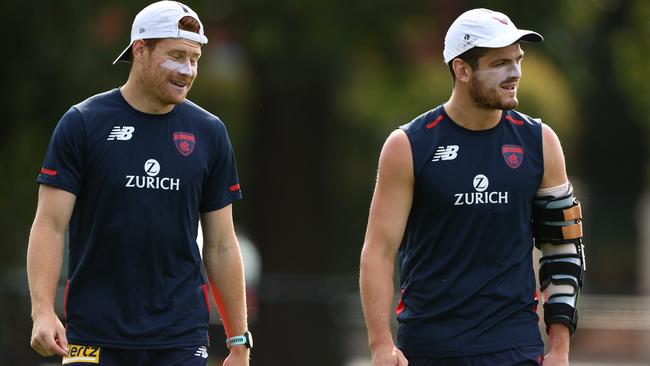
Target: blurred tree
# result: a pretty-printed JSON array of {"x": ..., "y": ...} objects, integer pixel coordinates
[{"x": 614, "y": 147}]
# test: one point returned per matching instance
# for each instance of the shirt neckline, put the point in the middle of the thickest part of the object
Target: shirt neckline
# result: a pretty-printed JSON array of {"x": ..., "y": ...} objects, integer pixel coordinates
[
  {"x": 467, "y": 131},
  {"x": 130, "y": 108}
]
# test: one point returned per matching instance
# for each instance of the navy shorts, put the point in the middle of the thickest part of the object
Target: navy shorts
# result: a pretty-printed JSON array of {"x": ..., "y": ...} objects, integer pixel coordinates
[
  {"x": 519, "y": 356},
  {"x": 100, "y": 356}
]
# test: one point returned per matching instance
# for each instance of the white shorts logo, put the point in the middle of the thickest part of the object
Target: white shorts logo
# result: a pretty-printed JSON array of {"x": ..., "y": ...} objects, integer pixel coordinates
[
  {"x": 446, "y": 153},
  {"x": 121, "y": 133},
  {"x": 201, "y": 352}
]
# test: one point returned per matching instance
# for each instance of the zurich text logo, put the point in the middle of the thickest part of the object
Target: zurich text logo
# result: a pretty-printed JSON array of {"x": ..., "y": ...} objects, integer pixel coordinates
[
  {"x": 121, "y": 133},
  {"x": 481, "y": 196},
  {"x": 446, "y": 153},
  {"x": 152, "y": 180}
]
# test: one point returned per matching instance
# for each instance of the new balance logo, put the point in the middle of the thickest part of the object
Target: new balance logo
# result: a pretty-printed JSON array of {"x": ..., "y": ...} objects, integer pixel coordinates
[
  {"x": 201, "y": 352},
  {"x": 121, "y": 133},
  {"x": 446, "y": 153}
]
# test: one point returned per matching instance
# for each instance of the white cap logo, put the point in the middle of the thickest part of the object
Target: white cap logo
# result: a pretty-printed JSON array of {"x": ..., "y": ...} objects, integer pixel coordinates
[
  {"x": 481, "y": 183},
  {"x": 152, "y": 168}
]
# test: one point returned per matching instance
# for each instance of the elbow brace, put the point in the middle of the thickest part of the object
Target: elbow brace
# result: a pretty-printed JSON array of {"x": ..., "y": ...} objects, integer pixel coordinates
[{"x": 557, "y": 229}]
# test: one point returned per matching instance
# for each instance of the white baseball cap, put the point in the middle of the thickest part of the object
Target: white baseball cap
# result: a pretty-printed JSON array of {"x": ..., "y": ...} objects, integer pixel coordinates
[
  {"x": 483, "y": 28},
  {"x": 160, "y": 20}
]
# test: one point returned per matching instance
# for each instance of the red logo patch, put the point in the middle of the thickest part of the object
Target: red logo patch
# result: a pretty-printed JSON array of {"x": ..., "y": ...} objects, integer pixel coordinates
[
  {"x": 501, "y": 20},
  {"x": 513, "y": 155},
  {"x": 184, "y": 142}
]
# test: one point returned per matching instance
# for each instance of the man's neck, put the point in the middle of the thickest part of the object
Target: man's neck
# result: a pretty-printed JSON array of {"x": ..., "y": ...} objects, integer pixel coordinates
[
  {"x": 465, "y": 113},
  {"x": 138, "y": 98}
]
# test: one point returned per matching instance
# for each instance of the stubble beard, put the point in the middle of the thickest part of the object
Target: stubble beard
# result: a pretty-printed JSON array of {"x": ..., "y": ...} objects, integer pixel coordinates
[{"x": 485, "y": 98}]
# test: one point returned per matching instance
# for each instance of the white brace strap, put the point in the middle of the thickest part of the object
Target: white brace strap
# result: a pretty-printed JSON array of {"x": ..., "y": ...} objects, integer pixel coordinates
[{"x": 557, "y": 191}]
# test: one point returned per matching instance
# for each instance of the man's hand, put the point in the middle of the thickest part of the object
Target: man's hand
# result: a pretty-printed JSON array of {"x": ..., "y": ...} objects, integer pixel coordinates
[
  {"x": 556, "y": 359},
  {"x": 388, "y": 356},
  {"x": 238, "y": 356},
  {"x": 48, "y": 336}
]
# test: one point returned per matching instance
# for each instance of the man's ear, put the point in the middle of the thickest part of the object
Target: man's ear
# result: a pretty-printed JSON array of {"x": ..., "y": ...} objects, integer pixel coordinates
[
  {"x": 462, "y": 70},
  {"x": 138, "y": 49}
]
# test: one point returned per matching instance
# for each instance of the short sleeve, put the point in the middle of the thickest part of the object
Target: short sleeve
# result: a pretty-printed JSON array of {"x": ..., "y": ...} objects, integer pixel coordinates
[
  {"x": 63, "y": 165},
  {"x": 222, "y": 185}
]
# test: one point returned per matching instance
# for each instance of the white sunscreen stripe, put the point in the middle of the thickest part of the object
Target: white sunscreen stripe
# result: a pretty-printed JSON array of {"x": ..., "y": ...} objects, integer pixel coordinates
[{"x": 179, "y": 67}]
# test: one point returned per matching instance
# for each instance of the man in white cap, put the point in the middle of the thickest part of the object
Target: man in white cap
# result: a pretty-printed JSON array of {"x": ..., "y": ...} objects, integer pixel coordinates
[
  {"x": 130, "y": 172},
  {"x": 463, "y": 193}
]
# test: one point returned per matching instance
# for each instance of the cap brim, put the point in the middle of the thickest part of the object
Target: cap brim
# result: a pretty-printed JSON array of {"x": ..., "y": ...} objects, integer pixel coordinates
[
  {"x": 125, "y": 55},
  {"x": 509, "y": 38}
]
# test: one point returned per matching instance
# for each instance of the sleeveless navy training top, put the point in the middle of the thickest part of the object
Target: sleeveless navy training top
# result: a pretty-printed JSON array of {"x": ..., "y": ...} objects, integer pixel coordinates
[{"x": 466, "y": 273}]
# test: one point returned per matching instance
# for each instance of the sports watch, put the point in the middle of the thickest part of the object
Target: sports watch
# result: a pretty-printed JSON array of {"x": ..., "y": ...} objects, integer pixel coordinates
[{"x": 242, "y": 340}]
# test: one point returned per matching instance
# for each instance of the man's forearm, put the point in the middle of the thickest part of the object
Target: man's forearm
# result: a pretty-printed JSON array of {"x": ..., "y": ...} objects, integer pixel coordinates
[
  {"x": 559, "y": 338},
  {"x": 226, "y": 275},
  {"x": 376, "y": 283},
  {"x": 44, "y": 259}
]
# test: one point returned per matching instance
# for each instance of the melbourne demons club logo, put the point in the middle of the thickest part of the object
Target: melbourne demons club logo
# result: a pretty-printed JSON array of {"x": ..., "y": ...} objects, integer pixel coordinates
[
  {"x": 513, "y": 155},
  {"x": 184, "y": 142}
]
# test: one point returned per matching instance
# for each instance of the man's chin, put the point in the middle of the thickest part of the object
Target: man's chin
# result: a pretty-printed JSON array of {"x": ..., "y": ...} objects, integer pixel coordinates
[
  {"x": 511, "y": 104},
  {"x": 177, "y": 99},
  {"x": 176, "y": 96}
]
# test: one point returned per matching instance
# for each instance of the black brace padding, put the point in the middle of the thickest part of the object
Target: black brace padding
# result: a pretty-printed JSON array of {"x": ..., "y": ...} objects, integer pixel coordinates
[
  {"x": 557, "y": 220},
  {"x": 557, "y": 234},
  {"x": 561, "y": 313},
  {"x": 547, "y": 269}
]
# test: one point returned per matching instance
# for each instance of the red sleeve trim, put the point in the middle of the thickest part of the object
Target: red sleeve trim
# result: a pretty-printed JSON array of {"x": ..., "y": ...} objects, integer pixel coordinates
[
  {"x": 435, "y": 122},
  {"x": 518, "y": 122},
  {"x": 234, "y": 188},
  {"x": 65, "y": 301},
  {"x": 206, "y": 296},
  {"x": 400, "y": 305},
  {"x": 48, "y": 172}
]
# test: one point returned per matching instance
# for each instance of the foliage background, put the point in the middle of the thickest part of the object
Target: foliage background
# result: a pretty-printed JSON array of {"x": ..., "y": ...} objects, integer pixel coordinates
[{"x": 309, "y": 90}]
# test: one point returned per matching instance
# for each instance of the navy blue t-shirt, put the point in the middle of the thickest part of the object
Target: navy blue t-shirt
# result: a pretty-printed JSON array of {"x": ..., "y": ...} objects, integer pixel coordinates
[
  {"x": 466, "y": 273},
  {"x": 141, "y": 182}
]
